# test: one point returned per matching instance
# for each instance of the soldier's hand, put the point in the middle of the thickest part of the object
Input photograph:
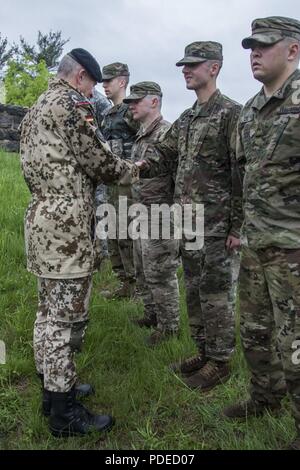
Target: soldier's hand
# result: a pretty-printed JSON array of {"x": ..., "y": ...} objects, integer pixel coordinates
[
  {"x": 142, "y": 164},
  {"x": 233, "y": 243}
]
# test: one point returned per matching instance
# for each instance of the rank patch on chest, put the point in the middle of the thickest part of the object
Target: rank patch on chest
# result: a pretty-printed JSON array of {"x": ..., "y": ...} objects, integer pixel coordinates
[{"x": 289, "y": 110}]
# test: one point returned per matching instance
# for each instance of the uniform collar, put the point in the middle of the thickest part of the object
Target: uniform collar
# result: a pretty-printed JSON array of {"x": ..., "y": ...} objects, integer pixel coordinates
[
  {"x": 206, "y": 108},
  {"x": 56, "y": 82},
  {"x": 261, "y": 100},
  {"x": 117, "y": 108},
  {"x": 143, "y": 132}
]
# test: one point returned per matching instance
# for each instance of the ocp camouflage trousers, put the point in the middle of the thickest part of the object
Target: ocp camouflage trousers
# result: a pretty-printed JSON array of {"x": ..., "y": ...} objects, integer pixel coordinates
[
  {"x": 59, "y": 329},
  {"x": 121, "y": 250},
  {"x": 156, "y": 263},
  {"x": 269, "y": 292},
  {"x": 208, "y": 286}
]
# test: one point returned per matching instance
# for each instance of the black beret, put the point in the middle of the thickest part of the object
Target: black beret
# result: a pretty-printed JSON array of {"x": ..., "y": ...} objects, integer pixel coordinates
[{"x": 88, "y": 62}]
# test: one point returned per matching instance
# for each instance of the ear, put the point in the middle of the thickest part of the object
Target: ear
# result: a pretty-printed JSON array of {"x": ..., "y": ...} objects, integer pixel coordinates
[
  {"x": 80, "y": 75},
  {"x": 294, "y": 50},
  {"x": 214, "y": 69},
  {"x": 154, "y": 102},
  {"x": 122, "y": 83}
]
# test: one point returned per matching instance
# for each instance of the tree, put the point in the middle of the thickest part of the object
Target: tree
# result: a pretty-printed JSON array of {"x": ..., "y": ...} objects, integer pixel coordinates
[
  {"x": 6, "y": 52},
  {"x": 24, "y": 82},
  {"x": 49, "y": 48}
]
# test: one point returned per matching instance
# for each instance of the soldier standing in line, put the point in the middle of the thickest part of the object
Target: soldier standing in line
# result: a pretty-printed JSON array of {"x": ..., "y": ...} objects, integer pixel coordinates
[
  {"x": 201, "y": 147},
  {"x": 100, "y": 104},
  {"x": 155, "y": 260},
  {"x": 269, "y": 282},
  {"x": 63, "y": 157},
  {"x": 119, "y": 129}
]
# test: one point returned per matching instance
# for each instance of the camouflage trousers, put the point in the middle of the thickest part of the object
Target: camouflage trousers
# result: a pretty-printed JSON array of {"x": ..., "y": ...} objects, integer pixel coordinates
[
  {"x": 121, "y": 251},
  {"x": 208, "y": 286},
  {"x": 156, "y": 263},
  {"x": 59, "y": 329},
  {"x": 269, "y": 292},
  {"x": 100, "y": 246}
]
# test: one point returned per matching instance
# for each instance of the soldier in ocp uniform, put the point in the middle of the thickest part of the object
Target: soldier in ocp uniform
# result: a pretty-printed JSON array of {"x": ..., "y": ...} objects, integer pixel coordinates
[
  {"x": 119, "y": 129},
  {"x": 200, "y": 145},
  {"x": 156, "y": 260},
  {"x": 269, "y": 282},
  {"x": 100, "y": 104},
  {"x": 63, "y": 157}
]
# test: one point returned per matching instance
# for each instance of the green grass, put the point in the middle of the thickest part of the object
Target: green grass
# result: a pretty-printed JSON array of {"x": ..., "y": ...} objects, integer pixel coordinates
[{"x": 153, "y": 408}]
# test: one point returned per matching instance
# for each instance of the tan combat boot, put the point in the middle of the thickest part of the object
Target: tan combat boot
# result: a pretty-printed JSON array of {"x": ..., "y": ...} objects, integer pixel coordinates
[
  {"x": 212, "y": 373},
  {"x": 189, "y": 365},
  {"x": 159, "y": 336},
  {"x": 124, "y": 291},
  {"x": 248, "y": 408},
  {"x": 147, "y": 322}
]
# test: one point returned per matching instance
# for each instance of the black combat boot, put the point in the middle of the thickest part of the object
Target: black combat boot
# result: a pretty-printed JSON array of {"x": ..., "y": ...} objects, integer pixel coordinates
[
  {"x": 81, "y": 391},
  {"x": 70, "y": 418}
]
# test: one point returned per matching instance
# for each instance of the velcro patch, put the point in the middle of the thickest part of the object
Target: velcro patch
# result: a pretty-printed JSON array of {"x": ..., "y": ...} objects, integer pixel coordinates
[{"x": 289, "y": 110}]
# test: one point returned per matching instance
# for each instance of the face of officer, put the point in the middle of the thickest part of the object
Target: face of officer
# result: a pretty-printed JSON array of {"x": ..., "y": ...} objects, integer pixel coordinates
[
  {"x": 113, "y": 87},
  {"x": 198, "y": 76},
  {"x": 143, "y": 108},
  {"x": 85, "y": 83},
  {"x": 270, "y": 62}
]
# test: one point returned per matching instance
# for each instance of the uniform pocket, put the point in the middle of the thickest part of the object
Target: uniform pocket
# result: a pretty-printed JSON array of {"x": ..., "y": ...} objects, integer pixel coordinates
[{"x": 278, "y": 128}]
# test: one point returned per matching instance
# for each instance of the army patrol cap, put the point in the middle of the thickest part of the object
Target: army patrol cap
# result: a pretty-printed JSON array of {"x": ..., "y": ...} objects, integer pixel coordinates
[
  {"x": 142, "y": 89},
  {"x": 88, "y": 62},
  {"x": 201, "y": 51},
  {"x": 115, "y": 70},
  {"x": 271, "y": 30}
]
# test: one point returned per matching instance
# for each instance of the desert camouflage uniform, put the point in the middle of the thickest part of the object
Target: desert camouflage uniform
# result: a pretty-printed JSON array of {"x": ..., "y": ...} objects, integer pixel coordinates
[
  {"x": 63, "y": 157},
  {"x": 60, "y": 325},
  {"x": 201, "y": 148},
  {"x": 156, "y": 260},
  {"x": 269, "y": 147},
  {"x": 120, "y": 130}
]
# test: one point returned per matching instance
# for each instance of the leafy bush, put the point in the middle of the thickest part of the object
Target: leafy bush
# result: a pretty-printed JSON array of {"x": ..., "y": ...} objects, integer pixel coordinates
[{"x": 25, "y": 82}]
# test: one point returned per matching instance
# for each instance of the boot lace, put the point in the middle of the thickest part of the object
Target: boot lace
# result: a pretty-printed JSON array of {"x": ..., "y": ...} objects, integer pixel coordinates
[
  {"x": 193, "y": 360},
  {"x": 209, "y": 370}
]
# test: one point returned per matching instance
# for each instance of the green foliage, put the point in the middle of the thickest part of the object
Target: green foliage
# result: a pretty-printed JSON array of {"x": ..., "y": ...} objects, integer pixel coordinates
[
  {"x": 24, "y": 82},
  {"x": 49, "y": 48},
  {"x": 6, "y": 52},
  {"x": 2, "y": 92}
]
